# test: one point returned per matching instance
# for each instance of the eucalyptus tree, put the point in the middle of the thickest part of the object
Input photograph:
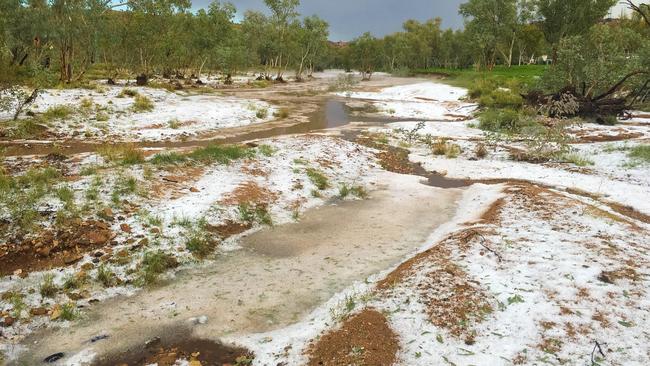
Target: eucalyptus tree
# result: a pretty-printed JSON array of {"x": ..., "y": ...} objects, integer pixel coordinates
[
  {"x": 255, "y": 29},
  {"x": 150, "y": 35},
  {"x": 311, "y": 41},
  {"x": 284, "y": 14},
  {"x": 366, "y": 54},
  {"x": 23, "y": 35},
  {"x": 491, "y": 24},
  {"x": 212, "y": 31},
  {"x": 423, "y": 41},
  {"x": 396, "y": 49},
  {"x": 565, "y": 18}
]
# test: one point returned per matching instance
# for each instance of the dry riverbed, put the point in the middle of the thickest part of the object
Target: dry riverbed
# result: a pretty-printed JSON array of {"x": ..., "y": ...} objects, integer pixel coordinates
[{"x": 333, "y": 247}]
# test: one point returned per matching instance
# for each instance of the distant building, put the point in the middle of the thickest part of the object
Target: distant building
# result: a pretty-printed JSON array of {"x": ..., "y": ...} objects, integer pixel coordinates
[
  {"x": 619, "y": 10},
  {"x": 339, "y": 44}
]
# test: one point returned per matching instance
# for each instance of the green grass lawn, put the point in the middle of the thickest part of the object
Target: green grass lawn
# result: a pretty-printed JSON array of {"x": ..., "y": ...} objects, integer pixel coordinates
[{"x": 527, "y": 75}]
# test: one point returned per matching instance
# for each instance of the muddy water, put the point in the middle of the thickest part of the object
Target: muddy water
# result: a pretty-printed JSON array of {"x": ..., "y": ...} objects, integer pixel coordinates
[
  {"x": 331, "y": 113},
  {"x": 280, "y": 275}
]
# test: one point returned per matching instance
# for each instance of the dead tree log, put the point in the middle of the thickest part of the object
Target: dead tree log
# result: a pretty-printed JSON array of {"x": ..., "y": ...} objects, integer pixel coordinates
[{"x": 569, "y": 102}]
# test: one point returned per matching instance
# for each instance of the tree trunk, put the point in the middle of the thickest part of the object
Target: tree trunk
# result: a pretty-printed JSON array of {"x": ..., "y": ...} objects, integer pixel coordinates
[{"x": 24, "y": 103}]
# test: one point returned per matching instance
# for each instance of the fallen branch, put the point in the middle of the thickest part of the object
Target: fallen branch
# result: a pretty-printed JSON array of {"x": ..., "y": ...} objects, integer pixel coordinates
[
  {"x": 482, "y": 243},
  {"x": 597, "y": 347}
]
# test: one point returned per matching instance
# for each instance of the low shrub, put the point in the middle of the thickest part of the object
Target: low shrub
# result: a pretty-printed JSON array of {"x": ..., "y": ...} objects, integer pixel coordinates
[
  {"x": 318, "y": 178},
  {"x": 577, "y": 159},
  {"x": 282, "y": 113},
  {"x": 505, "y": 120},
  {"x": 58, "y": 112},
  {"x": 126, "y": 92},
  {"x": 222, "y": 154},
  {"x": 154, "y": 264},
  {"x": 142, "y": 104},
  {"x": 262, "y": 113},
  {"x": 168, "y": 158},
  {"x": 640, "y": 153},
  {"x": 200, "y": 243},
  {"x": 501, "y": 98},
  {"x": 47, "y": 288}
]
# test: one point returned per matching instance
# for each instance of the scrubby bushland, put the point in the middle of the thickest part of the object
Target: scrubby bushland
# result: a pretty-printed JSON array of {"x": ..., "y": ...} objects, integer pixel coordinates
[{"x": 602, "y": 73}]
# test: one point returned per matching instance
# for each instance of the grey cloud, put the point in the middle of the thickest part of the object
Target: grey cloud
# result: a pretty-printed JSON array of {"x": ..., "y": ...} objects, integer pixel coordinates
[{"x": 350, "y": 18}]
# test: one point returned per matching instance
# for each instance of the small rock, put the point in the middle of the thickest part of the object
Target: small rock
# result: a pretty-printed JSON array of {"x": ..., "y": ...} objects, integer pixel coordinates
[
  {"x": 98, "y": 338},
  {"x": 72, "y": 259},
  {"x": 153, "y": 342},
  {"x": 125, "y": 228},
  {"x": 8, "y": 321},
  {"x": 56, "y": 312},
  {"x": 194, "y": 190},
  {"x": 198, "y": 320},
  {"x": 87, "y": 267},
  {"x": 44, "y": 252},
  {"x": 38, "y": 311},
  {"x": 54, "y": 357},
  {"x": 154, "y": 230}
]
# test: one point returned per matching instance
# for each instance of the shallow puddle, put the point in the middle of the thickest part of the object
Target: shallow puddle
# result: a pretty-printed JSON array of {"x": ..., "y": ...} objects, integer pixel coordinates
[{"x": 279, "y": 276}]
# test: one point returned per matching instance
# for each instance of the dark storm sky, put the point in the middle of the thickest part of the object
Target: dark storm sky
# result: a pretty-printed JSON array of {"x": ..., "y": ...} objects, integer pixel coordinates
[{"x": 350, "y": 18}]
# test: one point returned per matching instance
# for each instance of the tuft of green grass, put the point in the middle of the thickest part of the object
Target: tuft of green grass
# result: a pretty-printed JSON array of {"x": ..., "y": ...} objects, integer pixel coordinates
[
  {"x": 121, "y": 154},
  {"x": 640, "y": 153},
  {"x": 21, "y": 196},
  {"x": 501, "y": 98},
  {"x": 87, "y": 104},
  {"x": 66, "y": 195},
  {"x": 267, "y": 150},
  {"x": 18, "y": 305},
  {"x": 132, "y": 156},
  {"x": 26, "y": 128},
  {"x": 281, "y": 113},
  {"x": 577, "y": 159},
  {"x": 262, "y": 113},
  {"x": 453, "y": 150},
  {"x": 358, "y": 191},
  {"x": 58, "y": 112},
  {"x": 47, "y": 288},
  {"x": 126, "y": 92},
  {"x": 106, "y": 276},
  {"x": 154, "y": 264},
  {"x": 500, "y": 120},
  {"x": 222, "y": 154},
  {"x": 69, "y": 312},
  {"x": 200, "y": 243},
  {"x": 73, "y": 282},
  {"x": 126, "y": 184},
  {"x": 168, "y": 158},
  {"x": 174, "y": 124},
  {"x": 443, "y": 147},
  {"x": 102, "y": 117},
  {"x": 318, "y": 178},
  {"x": 142, "y": 104},
  {"x": 254, "y": 214}
]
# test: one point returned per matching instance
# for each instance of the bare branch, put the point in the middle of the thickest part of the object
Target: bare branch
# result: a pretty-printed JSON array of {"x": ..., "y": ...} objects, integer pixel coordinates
[
  {"x": 637, "y": 9},
  {"x": 618, "y": 85}
]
